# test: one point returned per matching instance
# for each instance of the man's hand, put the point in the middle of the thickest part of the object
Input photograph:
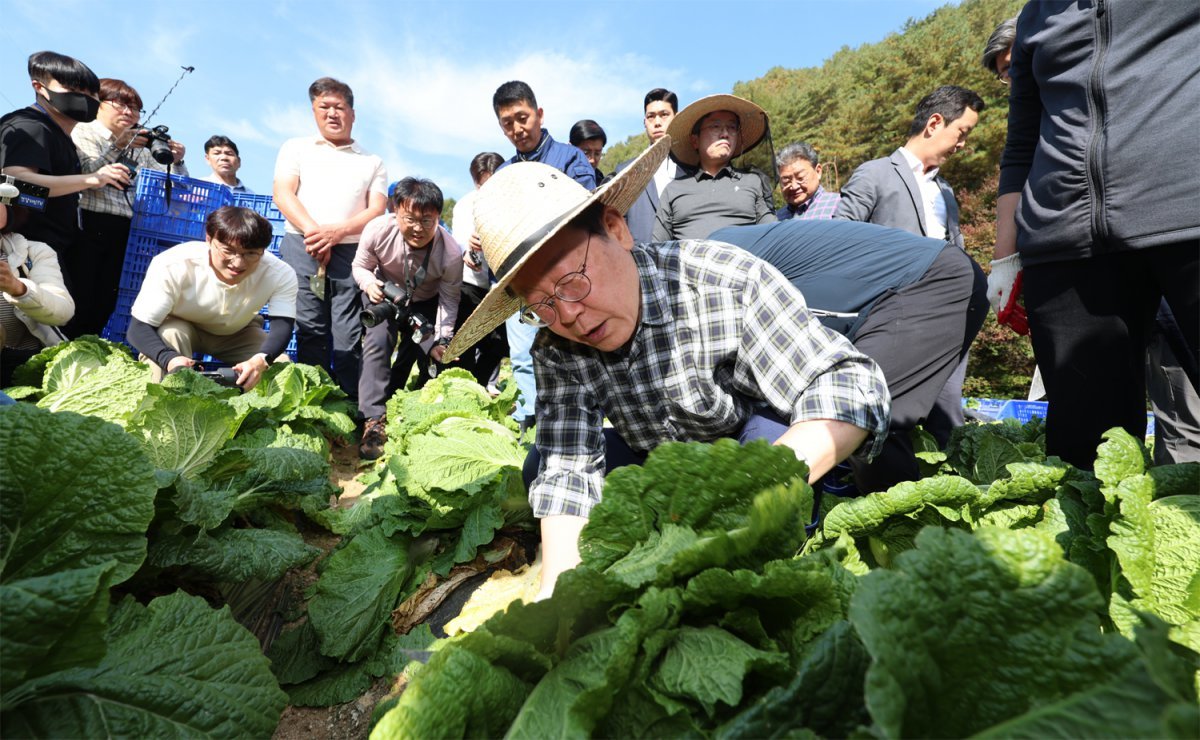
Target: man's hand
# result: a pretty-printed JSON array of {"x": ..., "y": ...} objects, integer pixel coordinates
[
  {"x": 177, "y": 149},
  {"x": 321, "y": 238},
  {"x": 438, "y": 351},
  {"x": 10, "y": 283},
  {"x": 179, "y": 361},
  {"x": 1004, "y": 287},
  {"x": 374, "y": 292},
  {"x": 116, "y": 175},
  {"x": 471, "y": 257},
  {"x": 251, "y": 371}
]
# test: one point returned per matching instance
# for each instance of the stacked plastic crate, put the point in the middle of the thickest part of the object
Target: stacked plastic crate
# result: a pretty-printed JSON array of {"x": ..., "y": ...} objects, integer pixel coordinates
[{"x": 164, "y": 217}]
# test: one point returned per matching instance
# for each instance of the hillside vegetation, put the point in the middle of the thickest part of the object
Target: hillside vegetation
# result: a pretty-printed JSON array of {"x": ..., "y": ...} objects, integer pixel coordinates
[{"x": 858, "y": 106}]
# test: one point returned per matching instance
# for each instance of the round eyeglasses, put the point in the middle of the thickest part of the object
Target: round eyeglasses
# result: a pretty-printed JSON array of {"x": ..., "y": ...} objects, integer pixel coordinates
[{"x": 572, "y": 288}]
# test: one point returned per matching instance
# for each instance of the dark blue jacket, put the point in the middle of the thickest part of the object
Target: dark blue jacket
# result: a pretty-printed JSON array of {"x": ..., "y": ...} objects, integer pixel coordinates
[
  {"x": 839, "y": 266},
  {"x": 564, "y": 157}
]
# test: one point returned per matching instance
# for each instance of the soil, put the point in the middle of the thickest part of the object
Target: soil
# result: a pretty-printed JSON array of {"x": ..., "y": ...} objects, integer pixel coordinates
[
  {"x": 438, "y": 601},
  {"x": 352, "y": 720}
]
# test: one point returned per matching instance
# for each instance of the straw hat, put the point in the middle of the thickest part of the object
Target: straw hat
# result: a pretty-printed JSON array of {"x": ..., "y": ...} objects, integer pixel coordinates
[
  {"x": 522, "y": 207},
  {"x": 752, "y": 118}
]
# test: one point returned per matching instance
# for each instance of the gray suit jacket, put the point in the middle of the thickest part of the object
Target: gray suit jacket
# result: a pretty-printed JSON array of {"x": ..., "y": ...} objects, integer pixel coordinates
[
  {"x": 884, "y": 192},
  {"x": 643, "y": 214}
]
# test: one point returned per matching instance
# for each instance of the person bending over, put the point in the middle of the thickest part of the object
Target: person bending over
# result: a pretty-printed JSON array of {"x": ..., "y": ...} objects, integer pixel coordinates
[{"x": 669, "y": 341}]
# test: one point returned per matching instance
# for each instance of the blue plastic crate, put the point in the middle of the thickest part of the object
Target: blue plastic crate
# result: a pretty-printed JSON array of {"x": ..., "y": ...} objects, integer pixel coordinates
[
  {"x": 263, "y": 205},
  {"x": 118, "y": 322},
  {"x": 184, "y": 213},
  {"x": 139, "y": 250}
]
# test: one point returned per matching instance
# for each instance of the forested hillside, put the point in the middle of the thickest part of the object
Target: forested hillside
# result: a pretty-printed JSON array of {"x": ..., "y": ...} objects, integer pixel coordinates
[{"x": 858, "y": 106}]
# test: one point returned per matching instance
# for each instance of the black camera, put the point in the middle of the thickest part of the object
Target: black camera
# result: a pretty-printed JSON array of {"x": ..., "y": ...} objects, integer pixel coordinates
[
  {"x": 422, "y": 328},
  {"x": 159, "y": 144},
  {"x": 225, "y": 376},
  {"x": 394, "y": 304}
]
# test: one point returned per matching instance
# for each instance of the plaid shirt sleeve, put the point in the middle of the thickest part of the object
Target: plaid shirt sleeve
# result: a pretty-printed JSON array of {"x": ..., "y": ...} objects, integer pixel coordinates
[
  {"x": 570, "y": 439},
  {"x": 95, "y": 151},
  {"x": 798, "y": 365}
]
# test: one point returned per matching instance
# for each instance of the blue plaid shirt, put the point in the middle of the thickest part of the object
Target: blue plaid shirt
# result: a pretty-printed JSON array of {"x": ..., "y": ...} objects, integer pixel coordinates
[
  {"x": 822, "y": 204},
  {"x": 722, "y": 335}
]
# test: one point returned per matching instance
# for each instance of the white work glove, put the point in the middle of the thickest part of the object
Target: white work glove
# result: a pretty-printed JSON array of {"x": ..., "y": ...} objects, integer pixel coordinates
[
  {"x": 1004, "y": 287},
  {"x": 1000, "y": 281}
]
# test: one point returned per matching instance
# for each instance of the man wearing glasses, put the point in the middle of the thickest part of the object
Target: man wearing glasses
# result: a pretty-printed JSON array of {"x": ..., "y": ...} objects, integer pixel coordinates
[
  {"x": 207, "y": 297},
  {"x": 709, "y": 133},
  {"x": 406, "y": 258},
  {"x": 668, "y": 343},
  {"x": 107, "y": 213}
]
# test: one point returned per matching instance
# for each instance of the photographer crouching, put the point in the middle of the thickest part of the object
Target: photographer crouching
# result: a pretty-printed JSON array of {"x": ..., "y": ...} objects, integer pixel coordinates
[
  {"x": 410, "y": 269},
  {"x": 206, "y": 297}
]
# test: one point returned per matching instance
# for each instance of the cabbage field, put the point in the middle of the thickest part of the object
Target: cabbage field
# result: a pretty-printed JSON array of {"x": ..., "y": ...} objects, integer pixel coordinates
[{"x": 1005, "y": 594}]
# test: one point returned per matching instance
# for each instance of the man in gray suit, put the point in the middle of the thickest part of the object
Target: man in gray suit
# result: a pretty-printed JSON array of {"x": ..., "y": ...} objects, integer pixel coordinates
[{"x": 905, "y": 191}]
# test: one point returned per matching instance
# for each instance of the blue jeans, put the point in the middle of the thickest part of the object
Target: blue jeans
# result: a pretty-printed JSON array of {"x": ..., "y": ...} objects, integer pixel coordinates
[{"x": 520, "y": 342}]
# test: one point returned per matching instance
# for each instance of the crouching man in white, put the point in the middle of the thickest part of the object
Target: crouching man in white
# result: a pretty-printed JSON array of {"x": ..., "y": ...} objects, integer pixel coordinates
[{"x": 207, "y": 297}]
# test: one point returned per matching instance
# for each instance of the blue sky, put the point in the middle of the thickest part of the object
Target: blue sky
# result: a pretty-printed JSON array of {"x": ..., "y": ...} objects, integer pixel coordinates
[{"x": 423, "y": 73}]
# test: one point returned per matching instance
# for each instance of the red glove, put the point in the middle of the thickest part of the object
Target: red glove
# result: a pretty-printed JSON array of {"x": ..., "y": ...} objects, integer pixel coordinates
[{"x": 1013, "y": 313}]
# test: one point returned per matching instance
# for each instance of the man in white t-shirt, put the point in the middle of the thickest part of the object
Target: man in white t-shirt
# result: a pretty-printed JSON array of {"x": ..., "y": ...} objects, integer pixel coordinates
[
  {"x": 328, "y": 188},
  {"x": 207, "y": 297}
]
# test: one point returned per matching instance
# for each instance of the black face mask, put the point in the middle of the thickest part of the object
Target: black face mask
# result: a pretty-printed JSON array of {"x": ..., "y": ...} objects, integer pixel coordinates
[{"x": 74, "y": 105}]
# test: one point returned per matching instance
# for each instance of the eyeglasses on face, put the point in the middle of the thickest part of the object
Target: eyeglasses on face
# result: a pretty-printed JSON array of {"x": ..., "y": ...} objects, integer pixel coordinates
[
  {"x": 721, "y": 127},
  {"x": 572, "y": 288},
  {"x": 118, "y": 105},
  {"x": 425, "y": 222}
]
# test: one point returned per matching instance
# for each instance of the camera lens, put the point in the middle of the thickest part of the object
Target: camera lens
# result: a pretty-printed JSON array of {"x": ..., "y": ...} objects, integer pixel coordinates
[{"x": 376, "y": 314}]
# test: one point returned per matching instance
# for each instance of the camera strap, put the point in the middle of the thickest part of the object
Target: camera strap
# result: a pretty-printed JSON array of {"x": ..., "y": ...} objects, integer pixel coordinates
[{"x": 412, "y": 281}]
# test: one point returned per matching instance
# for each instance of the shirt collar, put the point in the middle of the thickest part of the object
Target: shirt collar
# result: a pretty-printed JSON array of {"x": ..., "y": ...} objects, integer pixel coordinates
[
  {"x": 916, "y": 165},
  {"x": 726, "y": 171},
  {"x": 811, "y": 199},
  {"x": 656, "y": 302},
  {"x": 539, "y": 150},
  {"x": 352, "y": 146}
]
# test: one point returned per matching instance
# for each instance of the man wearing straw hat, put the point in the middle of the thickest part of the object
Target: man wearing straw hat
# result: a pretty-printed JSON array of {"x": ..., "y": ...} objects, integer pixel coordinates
[
  {"x": 708, "y": 134},
  {"x": 667, "y": 343}
]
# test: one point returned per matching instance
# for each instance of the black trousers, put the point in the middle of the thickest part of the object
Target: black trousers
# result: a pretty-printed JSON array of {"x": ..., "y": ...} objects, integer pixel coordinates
[
  {"x": 918, "y": 335},
  {"x": 482, "y": 359},
  {"x": 95, "y": 267},
  {"x": 1090, "y": 322},
  {"x": 328, "y": 332},
  {"x": 380, "y": 377}
]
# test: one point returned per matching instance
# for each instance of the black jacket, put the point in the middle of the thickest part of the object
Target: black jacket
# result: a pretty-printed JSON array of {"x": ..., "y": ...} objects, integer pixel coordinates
[{"x": 1104, "y": 127}]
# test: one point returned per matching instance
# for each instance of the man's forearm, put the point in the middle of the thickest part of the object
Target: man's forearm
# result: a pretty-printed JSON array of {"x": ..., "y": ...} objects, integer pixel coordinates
[
  {"x": 560, "y": 548},
  {"x": 58, "y": 184},
  {"x": 1006, "y": 225},
  {"x": 822, "y": 443},
  {"x": 293, "y": 210},
  {"x": 354, "y": 225}
]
